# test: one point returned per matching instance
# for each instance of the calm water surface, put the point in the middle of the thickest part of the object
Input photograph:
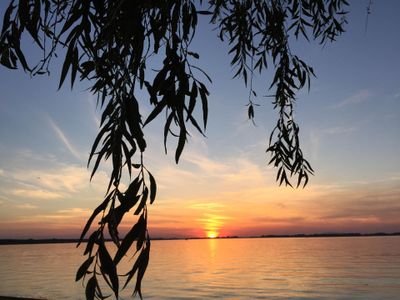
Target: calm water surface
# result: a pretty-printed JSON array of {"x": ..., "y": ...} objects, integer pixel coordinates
[{"x": 287, "y": 268}]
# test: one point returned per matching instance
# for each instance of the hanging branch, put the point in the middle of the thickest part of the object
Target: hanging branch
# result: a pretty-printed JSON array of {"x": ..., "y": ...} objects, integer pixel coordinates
[{"x": 107, "y": 44}]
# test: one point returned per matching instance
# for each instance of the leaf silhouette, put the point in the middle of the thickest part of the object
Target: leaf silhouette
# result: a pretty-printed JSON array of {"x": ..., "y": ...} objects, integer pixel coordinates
[
  {"x": 116, "y": 41},
  {"x": 91, "y": 288},
  {"x": 153, "y": 188},
  {"x": 108, "y": 266},
  {"x": 100, "y": 208},
  {"x": 83, "y": 268},
  {"x": 130, "y": 237}
]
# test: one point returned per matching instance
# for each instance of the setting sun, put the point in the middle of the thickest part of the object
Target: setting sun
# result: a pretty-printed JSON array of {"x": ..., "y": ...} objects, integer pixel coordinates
[{"x": 212, "y": 234}]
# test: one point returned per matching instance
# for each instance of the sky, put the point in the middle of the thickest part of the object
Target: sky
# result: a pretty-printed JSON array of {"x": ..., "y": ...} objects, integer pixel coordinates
[{"x": 349, "y": 120}]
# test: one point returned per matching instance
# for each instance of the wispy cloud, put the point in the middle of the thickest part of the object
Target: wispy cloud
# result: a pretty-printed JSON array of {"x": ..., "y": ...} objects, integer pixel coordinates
[
  {"x": 27, "y": 155},
  {"x": 25, "y": 206},
  {"x": 36, "y": 194},
  {"x": 232, "y": 195},
  {"x": 204, "y": 163},
  {"x": 316, "y": 137},
  {"x": 314, "y": 144},
  {"x": 209, "y": 206},
  {"x": 60, "y": 134},
  {"x": 213, "y": 222},
  {"x": 54, "y": 182},
  {"x": 93, "y": 110},
  {"x": 34, "y": 223},
  {"x": 50, "y": 184},
  {"x": 278, "y": 220},
  {"x": 340, "y": 130},
  {"x": 362, "y": 205},
  {"x": 70, "y": 213},
  {"x": 357, "y": 98}
]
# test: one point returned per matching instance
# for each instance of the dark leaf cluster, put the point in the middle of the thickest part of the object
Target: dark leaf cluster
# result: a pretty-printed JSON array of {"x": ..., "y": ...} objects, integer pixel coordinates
[
  {"x": 258, "y": 33},
  {"x": 109, "y": 44}
]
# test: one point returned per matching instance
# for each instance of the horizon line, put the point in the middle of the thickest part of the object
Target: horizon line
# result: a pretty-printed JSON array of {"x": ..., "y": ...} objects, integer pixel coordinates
[{"x": 15, "y": 241}]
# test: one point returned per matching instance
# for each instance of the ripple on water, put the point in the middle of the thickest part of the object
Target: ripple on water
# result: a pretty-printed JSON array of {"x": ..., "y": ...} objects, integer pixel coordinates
[{"x": 311, "y": 268}]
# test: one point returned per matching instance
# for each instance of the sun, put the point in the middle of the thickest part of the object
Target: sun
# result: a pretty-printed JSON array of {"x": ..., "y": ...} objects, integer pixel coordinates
[{"x": 212, "y": 234}]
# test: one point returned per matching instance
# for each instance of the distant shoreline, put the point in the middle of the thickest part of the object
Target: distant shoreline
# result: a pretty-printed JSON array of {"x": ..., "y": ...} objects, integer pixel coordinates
[{"x": 315, "y": 235}]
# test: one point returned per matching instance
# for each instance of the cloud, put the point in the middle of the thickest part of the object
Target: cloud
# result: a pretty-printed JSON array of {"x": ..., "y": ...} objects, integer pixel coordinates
[
  {"x": 339, "y": 130},
  {"x": 213, "y": 222},
  {"x": 369, "y": 207},
  {"x": 278, "y": 220},
  {"x": 93, "y": 108},
  {"x": 70, "y": 213},
  {"x": 314, "y": 143},
  {"x": 233, "y": 195},
  {"x": 205, "y": 180},
  {"x": 64, "y": 178},
  {"x": 59, "y": 223},
  {"x": 209, "y": 206},
  {"x": 26, "y": 156},
  {"x": 204, "y": 163},
  {"x": 364, "y": 205},
  {"x": 394, "y": 176},
  {"x": 317, "y": 136},
  {"x": 68, "y": 184},
  {"x": 70, "y": 178},
  {"x": 1, "y": 172},
  {"x": 359, "y": 97},
  {"x": 60, "y": 134},
  {"x": 36, "y": 194},
  {"x": 66, "y": 217},
  {"x": 25, "y": 206},
  {"x": 369, "y": 203}
]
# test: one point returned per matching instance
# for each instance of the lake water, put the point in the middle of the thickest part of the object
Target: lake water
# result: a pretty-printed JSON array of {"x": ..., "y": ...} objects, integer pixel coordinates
[{"x": 281, "y": 268}]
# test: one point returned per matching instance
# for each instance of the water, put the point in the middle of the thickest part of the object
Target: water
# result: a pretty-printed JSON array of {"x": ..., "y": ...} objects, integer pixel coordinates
[{"x": 287, "y": 268}]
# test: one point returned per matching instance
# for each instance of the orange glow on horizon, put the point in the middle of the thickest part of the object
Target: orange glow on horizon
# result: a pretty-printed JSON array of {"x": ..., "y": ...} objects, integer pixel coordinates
[{"x": 212, "y": 234}]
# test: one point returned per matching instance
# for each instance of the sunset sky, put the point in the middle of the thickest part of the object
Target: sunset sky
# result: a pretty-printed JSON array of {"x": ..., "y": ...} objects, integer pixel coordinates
[{"x": 350, "y": 124}]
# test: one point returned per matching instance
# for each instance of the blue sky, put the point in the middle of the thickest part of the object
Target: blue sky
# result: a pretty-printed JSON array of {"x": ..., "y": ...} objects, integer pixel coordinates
[{"x": 349, "y": 121}]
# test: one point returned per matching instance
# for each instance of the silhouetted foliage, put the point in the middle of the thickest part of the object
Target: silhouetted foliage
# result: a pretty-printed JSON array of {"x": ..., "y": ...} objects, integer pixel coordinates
[{"x": 109, "y": 43}]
